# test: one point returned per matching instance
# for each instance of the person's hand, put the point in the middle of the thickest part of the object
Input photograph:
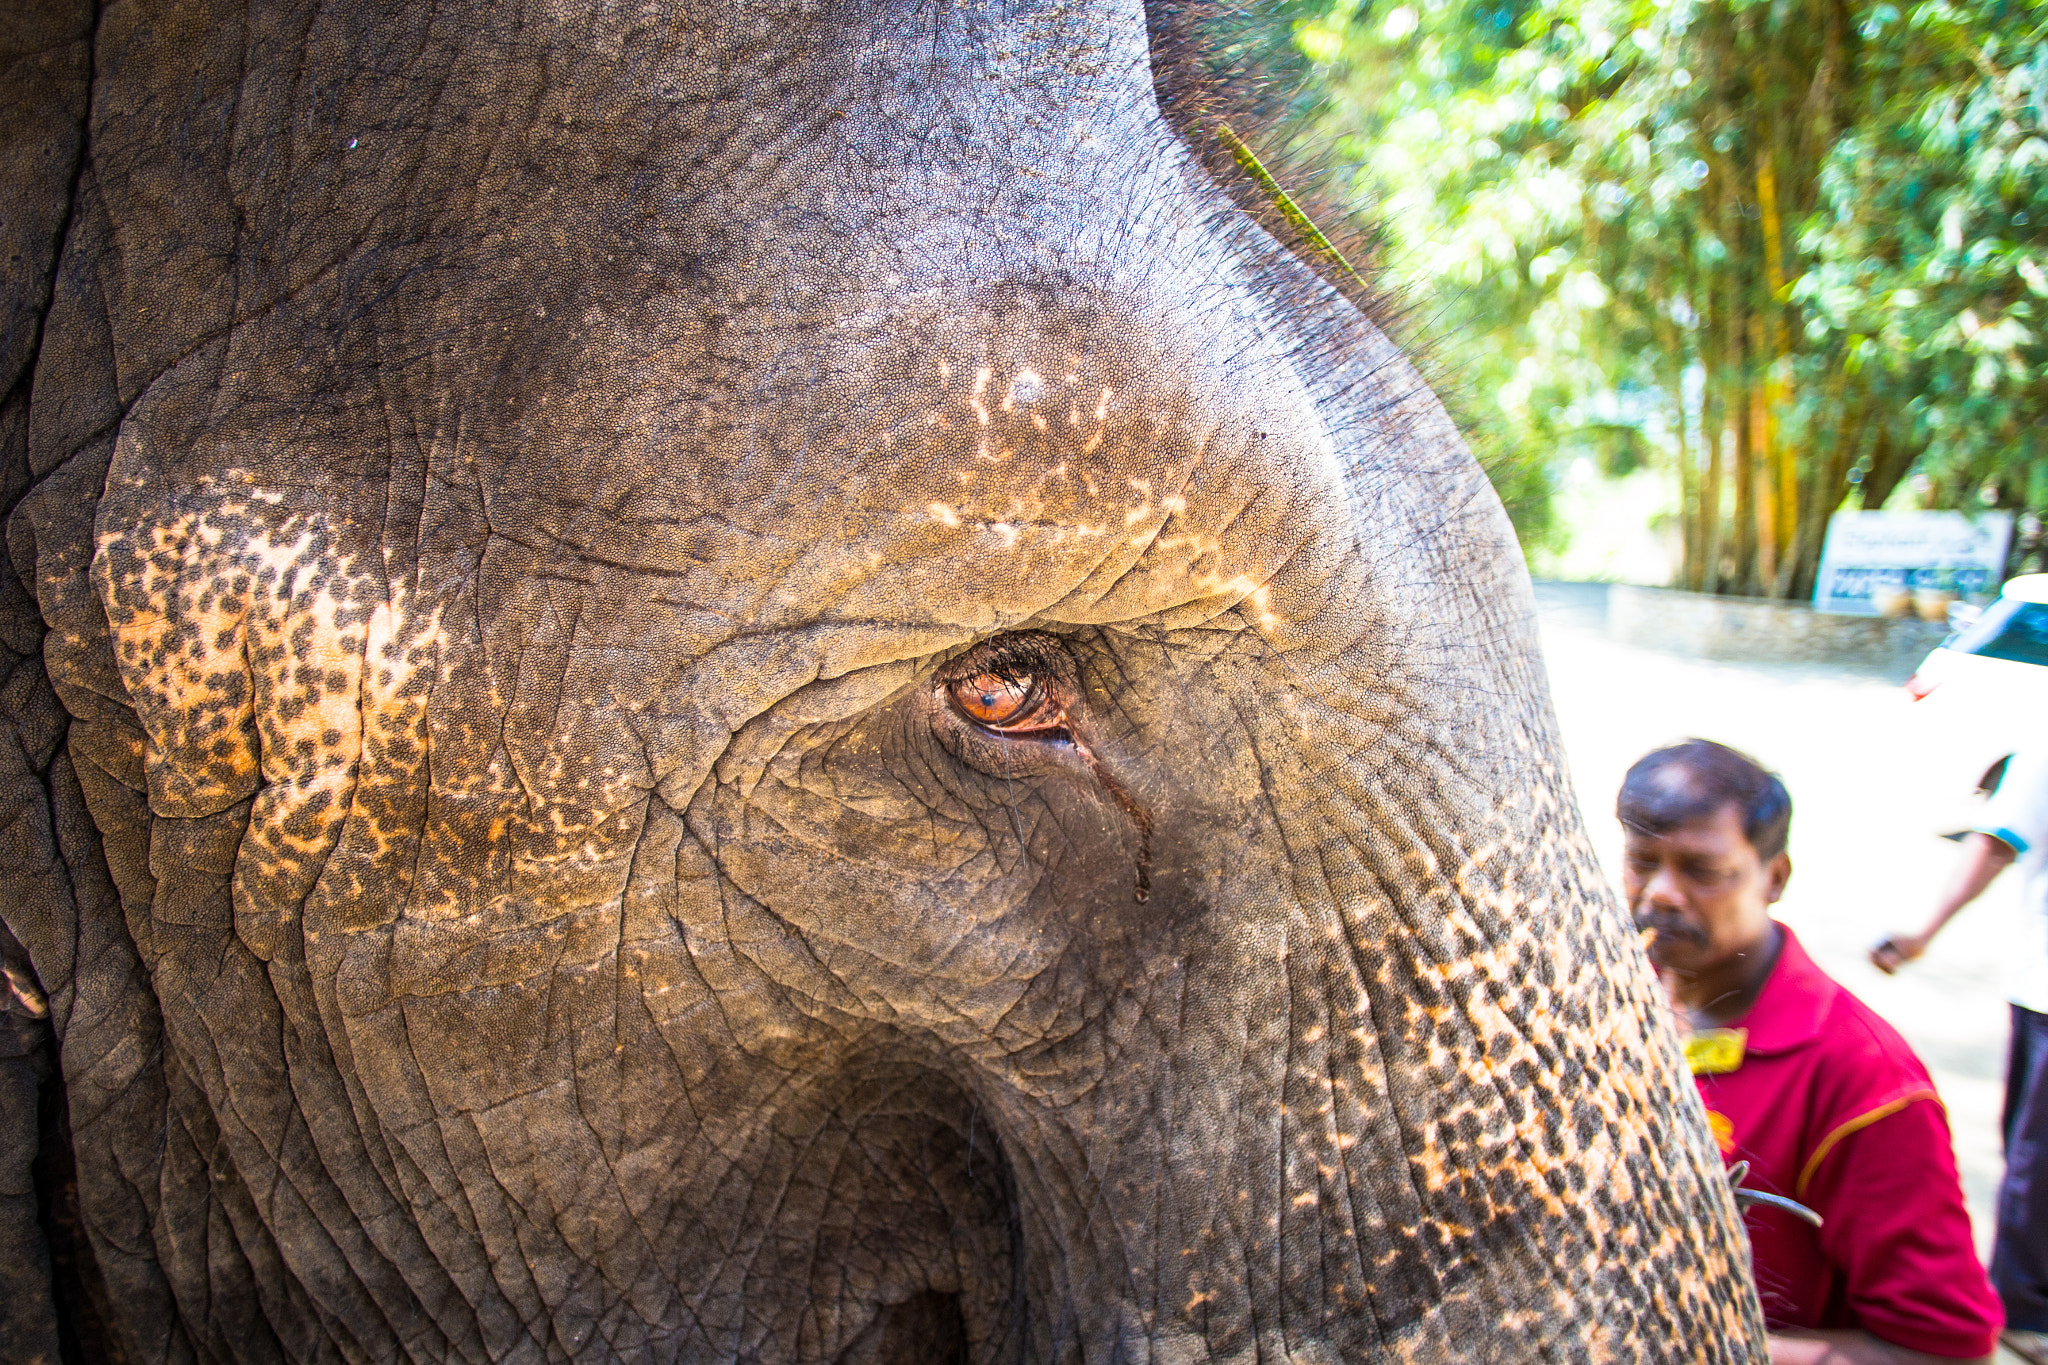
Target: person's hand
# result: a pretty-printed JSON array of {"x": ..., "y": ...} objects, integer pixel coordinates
[
  {"x": 1896, "y": 951},
  {"x": 1852, "y": 1347}
]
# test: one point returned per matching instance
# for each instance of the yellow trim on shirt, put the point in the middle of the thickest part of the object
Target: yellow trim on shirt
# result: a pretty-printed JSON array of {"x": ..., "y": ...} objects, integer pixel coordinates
[{"x": 1861, "y": 1121}]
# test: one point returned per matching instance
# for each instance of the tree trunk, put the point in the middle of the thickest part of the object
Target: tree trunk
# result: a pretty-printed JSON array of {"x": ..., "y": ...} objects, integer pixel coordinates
[
  {"x": 1766, "y": 568},
  {"x": 1889, "y": 462},
  {"x": 1828, "y": 487},
  {"x": 1743, "y": 423},
  {"x": 1673, "y": 350},
  {"x": 1780, "y": 468},
  {"x": 1688, "y": 499},
  {"x": 1712, "y": 415},
  {"x": 1714, "y": 294}
]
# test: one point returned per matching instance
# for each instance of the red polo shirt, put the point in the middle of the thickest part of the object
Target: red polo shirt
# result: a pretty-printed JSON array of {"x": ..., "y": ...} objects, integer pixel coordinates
[{"x": 1831, "y": 1108}]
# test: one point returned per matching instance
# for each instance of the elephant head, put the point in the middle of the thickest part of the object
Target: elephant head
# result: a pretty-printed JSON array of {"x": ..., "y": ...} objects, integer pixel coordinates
[{"x": 706, "y": 681}]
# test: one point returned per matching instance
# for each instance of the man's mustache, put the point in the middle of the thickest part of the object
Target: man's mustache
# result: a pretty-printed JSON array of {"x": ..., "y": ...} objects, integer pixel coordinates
[{"x": 1672, "y": 929}]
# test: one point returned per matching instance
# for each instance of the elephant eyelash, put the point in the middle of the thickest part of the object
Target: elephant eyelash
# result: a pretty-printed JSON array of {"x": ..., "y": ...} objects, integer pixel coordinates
[
  {"x": 1036, "y": 715},
  {"x": 1035, "y": 665}
]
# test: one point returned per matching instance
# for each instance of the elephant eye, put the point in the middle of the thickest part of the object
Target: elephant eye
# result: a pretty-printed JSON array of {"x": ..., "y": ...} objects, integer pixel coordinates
[{"x": 1007, "y": 703}]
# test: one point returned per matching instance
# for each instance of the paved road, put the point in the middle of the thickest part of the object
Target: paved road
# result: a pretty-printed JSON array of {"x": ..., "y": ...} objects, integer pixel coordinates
[{"x": 1874, "y": 779}]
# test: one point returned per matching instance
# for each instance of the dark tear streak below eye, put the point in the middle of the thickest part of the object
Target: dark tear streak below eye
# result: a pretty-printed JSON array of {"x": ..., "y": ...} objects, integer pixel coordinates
[{"x": 1128, "y": 804}]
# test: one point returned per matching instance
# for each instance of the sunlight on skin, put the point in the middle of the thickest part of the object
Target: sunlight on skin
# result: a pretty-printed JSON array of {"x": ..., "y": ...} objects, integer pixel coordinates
[{"x": 1144, "y": 520}]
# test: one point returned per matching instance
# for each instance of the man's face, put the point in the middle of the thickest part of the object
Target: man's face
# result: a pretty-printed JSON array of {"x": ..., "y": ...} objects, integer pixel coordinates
[{"x": 1703, "y": 890}]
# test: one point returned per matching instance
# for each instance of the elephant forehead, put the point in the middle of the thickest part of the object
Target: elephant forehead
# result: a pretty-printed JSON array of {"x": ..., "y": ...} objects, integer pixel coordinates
[
  {"x": 1000, "y": 495},
  {"x": 965, "y": 463}
]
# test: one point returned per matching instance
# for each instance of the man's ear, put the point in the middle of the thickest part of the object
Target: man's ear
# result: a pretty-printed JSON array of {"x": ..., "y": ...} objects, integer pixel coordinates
[{"x": 1777, "y": 872}]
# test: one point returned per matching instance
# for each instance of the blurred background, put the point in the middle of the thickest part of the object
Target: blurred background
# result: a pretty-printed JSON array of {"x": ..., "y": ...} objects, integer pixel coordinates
[
  {"x": 1876, "y": 778},
  {"x": 1696, "y": 274},
  {"x": 1698, "y": 277}
]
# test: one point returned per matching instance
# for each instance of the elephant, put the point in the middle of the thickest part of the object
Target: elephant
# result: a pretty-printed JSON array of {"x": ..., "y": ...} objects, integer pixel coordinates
[{"x": 759, "y": 680}]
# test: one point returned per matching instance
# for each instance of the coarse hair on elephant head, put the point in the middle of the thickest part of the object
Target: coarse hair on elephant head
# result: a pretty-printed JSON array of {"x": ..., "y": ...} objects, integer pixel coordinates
[{"x": 703, "y": 681}]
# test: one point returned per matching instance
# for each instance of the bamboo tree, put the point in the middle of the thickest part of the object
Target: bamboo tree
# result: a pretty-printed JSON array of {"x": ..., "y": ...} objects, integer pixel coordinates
[{"x": 1858, "y": 266}]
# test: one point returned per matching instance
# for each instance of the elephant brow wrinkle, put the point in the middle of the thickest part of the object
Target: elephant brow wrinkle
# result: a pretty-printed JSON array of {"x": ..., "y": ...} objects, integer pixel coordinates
[{"x": 1128, "y": 804}]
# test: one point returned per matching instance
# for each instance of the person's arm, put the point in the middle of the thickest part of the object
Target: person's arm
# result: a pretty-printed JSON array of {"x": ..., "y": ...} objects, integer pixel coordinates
[
  {"x": 1852, "y": 1348},
  {"x": 1983, "y": 859}
]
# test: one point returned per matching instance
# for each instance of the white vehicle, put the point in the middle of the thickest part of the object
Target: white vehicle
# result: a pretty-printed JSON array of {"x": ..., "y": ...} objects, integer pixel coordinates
[
  {"x": 1998, "y": 659},
  {"x": 1986, "y": 686}
]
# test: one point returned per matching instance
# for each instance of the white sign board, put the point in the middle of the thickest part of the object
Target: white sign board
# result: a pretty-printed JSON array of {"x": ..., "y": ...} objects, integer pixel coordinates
[{"x": 1873, "y": 553}]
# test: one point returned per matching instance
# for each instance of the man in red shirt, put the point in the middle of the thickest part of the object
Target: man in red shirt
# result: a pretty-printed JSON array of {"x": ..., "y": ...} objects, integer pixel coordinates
[{"x": 1821, "y": 1097}]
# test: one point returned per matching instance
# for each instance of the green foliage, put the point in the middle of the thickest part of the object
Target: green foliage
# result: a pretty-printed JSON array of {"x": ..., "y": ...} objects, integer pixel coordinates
[
  {"x": 1785, "y": 247},
  {"x": 1930, "y": 253}
]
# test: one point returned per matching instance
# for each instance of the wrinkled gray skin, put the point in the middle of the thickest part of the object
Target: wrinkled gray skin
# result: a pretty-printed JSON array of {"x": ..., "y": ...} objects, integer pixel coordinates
[{"x": 493, "y": 869}]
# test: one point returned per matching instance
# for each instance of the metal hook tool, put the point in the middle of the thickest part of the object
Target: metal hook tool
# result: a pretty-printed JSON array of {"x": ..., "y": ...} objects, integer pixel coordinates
[{"x": 1745, "y": 1197}]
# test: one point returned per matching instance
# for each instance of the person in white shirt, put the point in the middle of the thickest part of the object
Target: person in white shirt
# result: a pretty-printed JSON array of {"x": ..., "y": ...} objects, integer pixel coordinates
[{"x": 2014, "y": 829}]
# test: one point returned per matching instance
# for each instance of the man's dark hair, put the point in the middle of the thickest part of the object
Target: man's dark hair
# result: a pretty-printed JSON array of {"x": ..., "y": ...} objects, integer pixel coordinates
[{"x": 1695, "y": 778}]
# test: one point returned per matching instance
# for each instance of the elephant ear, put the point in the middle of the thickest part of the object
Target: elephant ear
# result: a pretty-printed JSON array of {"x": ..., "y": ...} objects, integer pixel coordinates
[{"x": 45, "y": 83}]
